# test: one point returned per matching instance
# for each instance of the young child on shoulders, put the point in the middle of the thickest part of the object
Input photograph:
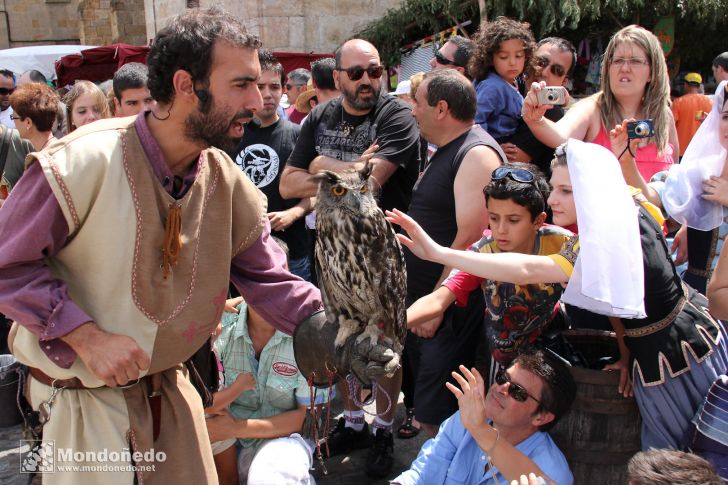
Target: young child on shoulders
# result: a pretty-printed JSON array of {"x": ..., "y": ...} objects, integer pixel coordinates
[
  {"x": 515, "y": 314},
  {"x": 504, "y": 48}
]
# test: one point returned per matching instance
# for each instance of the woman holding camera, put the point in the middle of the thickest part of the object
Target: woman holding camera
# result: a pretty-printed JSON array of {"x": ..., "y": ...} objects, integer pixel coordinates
[{"x": 634, "y": 86}]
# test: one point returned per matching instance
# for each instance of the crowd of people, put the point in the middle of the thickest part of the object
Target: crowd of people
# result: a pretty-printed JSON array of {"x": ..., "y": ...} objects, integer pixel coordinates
[{"x": 158, "y": 242}]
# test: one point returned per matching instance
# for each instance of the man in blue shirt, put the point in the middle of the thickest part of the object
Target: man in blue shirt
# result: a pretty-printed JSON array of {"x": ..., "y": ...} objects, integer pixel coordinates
[{"x": 497, "y": 437}]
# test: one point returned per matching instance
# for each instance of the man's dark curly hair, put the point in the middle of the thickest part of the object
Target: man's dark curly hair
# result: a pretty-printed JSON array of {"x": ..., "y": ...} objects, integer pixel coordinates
[
  {"x": 489, "y": 38},
  {"x": 187, "y": 44}
]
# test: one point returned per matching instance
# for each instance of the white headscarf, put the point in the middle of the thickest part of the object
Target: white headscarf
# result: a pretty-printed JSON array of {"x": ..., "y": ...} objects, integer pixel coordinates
[
  {"x": 704, "y": 157},
  {"x": 608, "y": 277}
]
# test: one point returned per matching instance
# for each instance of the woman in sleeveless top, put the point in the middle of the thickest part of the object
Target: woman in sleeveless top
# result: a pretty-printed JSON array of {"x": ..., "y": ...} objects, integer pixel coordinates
[
  {"x": 618, "y": 266},
  {"x": 634, "y": 86}
]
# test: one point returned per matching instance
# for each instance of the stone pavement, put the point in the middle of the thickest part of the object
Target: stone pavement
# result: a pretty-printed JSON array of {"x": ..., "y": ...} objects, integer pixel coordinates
[
  {"x": 349, "y": 469},
  {"x": 342, "y": 470}
]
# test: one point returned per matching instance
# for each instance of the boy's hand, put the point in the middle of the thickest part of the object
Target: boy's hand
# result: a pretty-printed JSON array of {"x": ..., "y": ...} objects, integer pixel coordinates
[
  {"x": 232, "y": 303},
  {"x": 244, "y": 382}
]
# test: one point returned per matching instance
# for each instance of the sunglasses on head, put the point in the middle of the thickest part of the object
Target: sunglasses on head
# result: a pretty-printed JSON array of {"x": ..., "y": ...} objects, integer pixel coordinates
[
  {"x": 6, "y": 91},
  {"x": 556, "y": 69},
  {"x": 444, "y": 60},
  {"x": 357, "y": 72},
  {"x": 517, "y": 174},
  {"x": 516, "y": 391}
]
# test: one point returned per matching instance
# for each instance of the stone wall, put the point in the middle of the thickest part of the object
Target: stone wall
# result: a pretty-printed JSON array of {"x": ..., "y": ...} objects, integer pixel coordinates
[
  {"x": 38, "y": 22},
  {"x": 286, "y": 25},
  {"x": 110, "y": 21}
]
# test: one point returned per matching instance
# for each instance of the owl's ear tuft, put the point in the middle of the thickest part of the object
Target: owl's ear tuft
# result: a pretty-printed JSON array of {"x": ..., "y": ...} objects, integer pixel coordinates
[
  {"x": 366, "y": 171},
  {"x": 331, "y": 177}
]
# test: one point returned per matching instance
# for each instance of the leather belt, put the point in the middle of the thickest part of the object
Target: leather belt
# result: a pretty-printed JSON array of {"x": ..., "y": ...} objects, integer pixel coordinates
[
  {"x": 43, "y": 378},
  {"x": 154, "y": 391}
]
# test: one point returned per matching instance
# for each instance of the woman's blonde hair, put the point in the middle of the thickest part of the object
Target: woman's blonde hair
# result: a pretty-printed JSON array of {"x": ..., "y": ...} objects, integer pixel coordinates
[
  {"x": 415, "y": 81},
  {"x": 656, "y": 98},
  {"x": 83, "y": 87}
]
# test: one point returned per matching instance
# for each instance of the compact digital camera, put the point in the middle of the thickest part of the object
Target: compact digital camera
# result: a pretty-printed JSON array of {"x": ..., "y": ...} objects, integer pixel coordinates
[
  {"x": 555, "y": 95},
  {"x": 640, "y": 129}
]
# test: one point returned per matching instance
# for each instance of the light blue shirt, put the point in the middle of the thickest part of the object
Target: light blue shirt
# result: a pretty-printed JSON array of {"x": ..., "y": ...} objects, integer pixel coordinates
[
  {"x": 453, "y": 457},
  {"x": 280, "y": 387},
  {"x": 498, "y": 106}
]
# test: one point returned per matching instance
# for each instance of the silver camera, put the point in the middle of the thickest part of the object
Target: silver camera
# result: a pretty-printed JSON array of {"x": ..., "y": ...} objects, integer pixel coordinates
[{"x": 555, "y": 95}]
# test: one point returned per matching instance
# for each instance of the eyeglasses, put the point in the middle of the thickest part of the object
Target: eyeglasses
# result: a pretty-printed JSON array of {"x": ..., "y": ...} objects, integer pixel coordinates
[
  {"x": 6, "y": 91},
  {"x": 444, "y": 60},
  {"x": 517, "y": 174},
  {"x": 556, "y": 69},
  {"x": 631, "y": 62},
  {"x": 357, "y": 72},
  {"x": 516, "y": 391},
  {"x": 291, "y": 86},
  {"x": 15, "y": 117}
]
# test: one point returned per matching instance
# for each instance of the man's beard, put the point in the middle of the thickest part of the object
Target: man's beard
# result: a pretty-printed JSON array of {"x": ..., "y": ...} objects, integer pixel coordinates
[
  {"x": 212, "y": 126},
  {"x": 351, "y": 97}
]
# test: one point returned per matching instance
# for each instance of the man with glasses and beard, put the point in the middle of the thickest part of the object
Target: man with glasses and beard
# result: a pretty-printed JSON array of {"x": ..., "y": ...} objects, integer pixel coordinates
[
  {"x": 117, "y": 253},
  {"x": 7, "y": 87},
  {"x": 496, "y": 437},
  {"x": 554, "y": 63},
  {"x": 334, "y": 137}
]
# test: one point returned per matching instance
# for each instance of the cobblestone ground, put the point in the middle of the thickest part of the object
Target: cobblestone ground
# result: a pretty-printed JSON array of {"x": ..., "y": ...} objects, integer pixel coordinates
[
  {"x": 344, "y": 470},
  {"x": 349, "y": 469}
]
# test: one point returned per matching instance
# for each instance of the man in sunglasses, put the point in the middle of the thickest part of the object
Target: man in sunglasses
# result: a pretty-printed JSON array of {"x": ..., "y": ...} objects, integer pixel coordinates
[
  {"x": 496, "y": 437},
  {"x": 7, "y": 87},
  {"x": 455, "y": 54},
  {"x": 554, "y": 62},
  {"x": 333, "y": 137}
]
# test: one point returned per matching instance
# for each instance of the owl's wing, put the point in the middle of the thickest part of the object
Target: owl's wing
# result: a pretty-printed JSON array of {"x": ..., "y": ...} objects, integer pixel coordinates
[{"x": 387, "y": 259}]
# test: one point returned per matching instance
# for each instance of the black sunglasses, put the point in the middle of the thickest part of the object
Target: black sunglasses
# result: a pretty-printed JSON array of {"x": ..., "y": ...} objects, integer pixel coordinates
[
  {"x": 15, "y": 117},
  {"x": 291, "y": 86},
  {"x": 444, "y": 60},
  {"x": 6, "y": 91},
  {"x": 556, "y": 69},
  {"x": 357, "y": 72},
  {"x": 517, "y": 174},
  {"x": 516, "y": 391}
]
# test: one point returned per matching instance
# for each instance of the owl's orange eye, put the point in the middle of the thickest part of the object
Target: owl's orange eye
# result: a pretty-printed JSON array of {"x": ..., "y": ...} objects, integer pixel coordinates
[
  {"x": 364, "y": 188},
  {"x": 338, "y": 190}
]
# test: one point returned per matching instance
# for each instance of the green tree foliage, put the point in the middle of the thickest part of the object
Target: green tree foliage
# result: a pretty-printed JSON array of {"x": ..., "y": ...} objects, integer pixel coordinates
[
  {"x": 413, "y": 20},
  {"x": 700, "y": 25}
]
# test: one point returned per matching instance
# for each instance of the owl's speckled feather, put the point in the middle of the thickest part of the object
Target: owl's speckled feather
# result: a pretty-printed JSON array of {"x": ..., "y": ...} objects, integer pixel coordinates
[{"x": 360, "y": 262}]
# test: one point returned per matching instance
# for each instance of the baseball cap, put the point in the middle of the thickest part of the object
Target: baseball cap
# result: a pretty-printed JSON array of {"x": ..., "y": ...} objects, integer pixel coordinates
[
  {"x": 402, "y": 88},
  {"x": 693, "y": 78}
]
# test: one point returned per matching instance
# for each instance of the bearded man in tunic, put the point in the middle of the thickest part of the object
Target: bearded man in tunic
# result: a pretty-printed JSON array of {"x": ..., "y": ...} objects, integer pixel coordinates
[{"x": 118, "y": 246}]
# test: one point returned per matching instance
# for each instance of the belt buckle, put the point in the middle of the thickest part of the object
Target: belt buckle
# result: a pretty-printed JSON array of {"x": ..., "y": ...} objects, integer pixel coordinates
[{"x": 127, "y": 386}]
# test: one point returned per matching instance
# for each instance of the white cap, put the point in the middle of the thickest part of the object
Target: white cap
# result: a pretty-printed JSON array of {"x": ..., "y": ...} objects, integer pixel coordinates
[{"x": 403, "y": 87}]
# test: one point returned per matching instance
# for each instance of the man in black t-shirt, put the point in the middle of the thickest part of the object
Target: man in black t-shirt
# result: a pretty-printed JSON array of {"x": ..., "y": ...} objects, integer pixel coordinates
[
  {"x": 334, "y": 137},
  {"x": 266, "y": 145},
  {"x": 335, "y": 134}
]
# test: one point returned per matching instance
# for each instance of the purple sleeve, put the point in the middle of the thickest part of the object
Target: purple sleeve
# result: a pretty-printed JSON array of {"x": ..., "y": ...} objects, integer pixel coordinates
[
  {"x": 33, "y": 228},
  {"x": 281, "y": 298}
]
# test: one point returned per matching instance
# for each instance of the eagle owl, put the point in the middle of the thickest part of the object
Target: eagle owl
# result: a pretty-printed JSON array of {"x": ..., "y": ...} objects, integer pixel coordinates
[{"x": 360, "y": 264}]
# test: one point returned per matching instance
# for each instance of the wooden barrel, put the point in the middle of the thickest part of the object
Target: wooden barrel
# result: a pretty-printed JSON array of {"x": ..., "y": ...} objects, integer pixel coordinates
[{"x": 601, "y": 432}]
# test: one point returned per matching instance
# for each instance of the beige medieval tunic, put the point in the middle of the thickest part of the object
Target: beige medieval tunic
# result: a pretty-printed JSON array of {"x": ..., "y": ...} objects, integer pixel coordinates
[{"x": 116, "y": 212}]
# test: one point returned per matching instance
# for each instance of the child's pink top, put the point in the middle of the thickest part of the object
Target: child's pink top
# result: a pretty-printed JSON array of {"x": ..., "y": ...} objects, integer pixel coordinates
[{"x": 647, "y": 158}]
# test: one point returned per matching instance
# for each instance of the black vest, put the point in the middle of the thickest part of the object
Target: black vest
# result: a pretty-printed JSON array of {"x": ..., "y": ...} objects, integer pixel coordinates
[{"x": 433, "y": 205}]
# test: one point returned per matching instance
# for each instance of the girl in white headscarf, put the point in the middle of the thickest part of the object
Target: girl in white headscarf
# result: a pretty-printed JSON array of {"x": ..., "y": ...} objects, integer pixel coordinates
[{"x": 618, "y": 265}]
